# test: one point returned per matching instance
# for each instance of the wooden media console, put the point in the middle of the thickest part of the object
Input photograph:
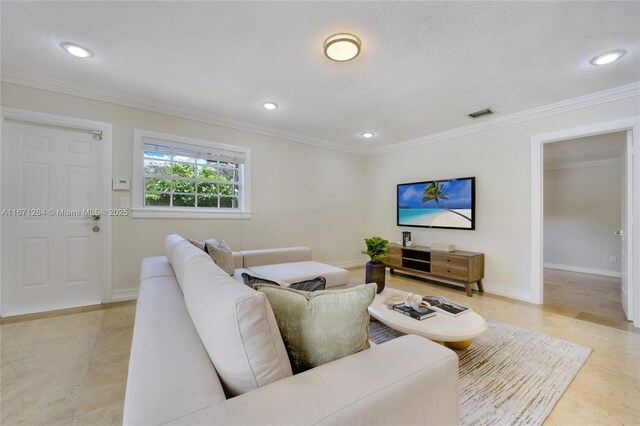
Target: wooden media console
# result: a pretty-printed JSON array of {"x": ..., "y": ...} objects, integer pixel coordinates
[{"x": 463, "y": 267}]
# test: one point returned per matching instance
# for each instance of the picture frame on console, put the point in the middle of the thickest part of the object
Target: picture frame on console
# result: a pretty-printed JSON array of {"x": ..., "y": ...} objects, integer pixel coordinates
[{"x": 444, "y": 204}]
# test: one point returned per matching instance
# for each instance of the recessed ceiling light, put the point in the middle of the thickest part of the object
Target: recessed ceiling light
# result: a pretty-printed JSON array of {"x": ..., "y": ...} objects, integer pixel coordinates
[
  {"x": 270, "y": 106},
  {"x": 607, "y": 58},
  {"x": 76, "y": 50},
  {"x": 342, "y": 47},
  {"x": 367, "y": 135}
]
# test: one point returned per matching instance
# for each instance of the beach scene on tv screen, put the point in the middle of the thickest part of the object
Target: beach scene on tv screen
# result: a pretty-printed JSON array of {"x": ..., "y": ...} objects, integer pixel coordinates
[{"x": 438, "y": 203}]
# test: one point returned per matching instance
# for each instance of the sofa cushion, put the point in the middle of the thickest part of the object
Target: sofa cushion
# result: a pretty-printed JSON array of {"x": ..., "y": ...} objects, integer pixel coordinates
[
  {"x": 322, "y": 326},
  {"x": 299, "y": 271},
  {"x": 179, "y": 251},
  {"x": 236, "y": 325},
  {"x": 170, "y": 373},
  {"x": 153, "y": 267},
  {"x": 222, "y": 256},
  {"x": 277, "y": 255}
]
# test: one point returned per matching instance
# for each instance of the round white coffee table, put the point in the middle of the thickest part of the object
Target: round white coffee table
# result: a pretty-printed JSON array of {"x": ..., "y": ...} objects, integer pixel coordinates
[{"x": 456, "y": 332}]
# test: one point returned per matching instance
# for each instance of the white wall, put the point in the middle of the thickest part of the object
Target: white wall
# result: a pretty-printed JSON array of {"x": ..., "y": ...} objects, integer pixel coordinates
[
  {"x": 582, "y": 210},
  {"x": 329, "y": 200},
  {"x": 301, "y": 194},
  {"x": 500, "y": 158}
]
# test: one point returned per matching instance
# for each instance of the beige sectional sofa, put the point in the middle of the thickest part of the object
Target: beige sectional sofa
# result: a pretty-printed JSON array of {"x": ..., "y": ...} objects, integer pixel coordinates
[{"x": 207, "y": 350}]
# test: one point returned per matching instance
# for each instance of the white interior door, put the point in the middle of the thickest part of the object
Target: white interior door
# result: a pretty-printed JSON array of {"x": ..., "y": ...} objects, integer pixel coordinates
[
  {"x": 625, "y": 234},
  {"x": 50, "y": 255}
]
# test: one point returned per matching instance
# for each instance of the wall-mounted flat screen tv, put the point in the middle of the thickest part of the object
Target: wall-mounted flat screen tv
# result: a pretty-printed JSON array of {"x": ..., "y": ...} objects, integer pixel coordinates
[{"x": 446, "y": 204}]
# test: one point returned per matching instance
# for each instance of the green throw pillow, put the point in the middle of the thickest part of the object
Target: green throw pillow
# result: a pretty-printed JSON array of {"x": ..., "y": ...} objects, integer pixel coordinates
[{"x": 321, "y": 326}]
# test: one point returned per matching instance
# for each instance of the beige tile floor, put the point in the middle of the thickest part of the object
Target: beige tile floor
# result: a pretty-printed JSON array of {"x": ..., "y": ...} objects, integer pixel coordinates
[
  {"x": 66, "y": 369},
  {"x": 565, "y": 294},
  {"x": 71, "y": 368}
]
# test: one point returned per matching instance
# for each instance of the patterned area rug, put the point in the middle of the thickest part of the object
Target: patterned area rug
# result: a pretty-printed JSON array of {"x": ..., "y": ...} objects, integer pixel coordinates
[{"x": 509, "y": 375}]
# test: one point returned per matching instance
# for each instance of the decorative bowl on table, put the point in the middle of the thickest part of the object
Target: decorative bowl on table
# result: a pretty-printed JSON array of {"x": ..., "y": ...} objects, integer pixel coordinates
[{"x": 393, "y": 299}]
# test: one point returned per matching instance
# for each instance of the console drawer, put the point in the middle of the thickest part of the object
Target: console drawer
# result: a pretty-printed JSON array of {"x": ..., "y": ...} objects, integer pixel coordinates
[
  {"x": 450, "y": 272},
  {"x": 448, "y": 260}
]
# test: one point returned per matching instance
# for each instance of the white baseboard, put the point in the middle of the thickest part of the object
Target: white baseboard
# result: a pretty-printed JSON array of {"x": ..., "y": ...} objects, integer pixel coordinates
[
  {"x": 50, "y": 308},
  {"x": 572, "y": 268},
  {"x": 120, "y": 295},
  {"x": 349, "y": 264},
  {"x": 511, "y": 293}
]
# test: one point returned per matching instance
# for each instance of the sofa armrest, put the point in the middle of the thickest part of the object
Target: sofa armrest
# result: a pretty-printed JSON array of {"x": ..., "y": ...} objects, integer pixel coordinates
[
  {"x": 408, "y": 380},
  {"x": 238, "y": 259},
  {"x": 276, "y": 255}
]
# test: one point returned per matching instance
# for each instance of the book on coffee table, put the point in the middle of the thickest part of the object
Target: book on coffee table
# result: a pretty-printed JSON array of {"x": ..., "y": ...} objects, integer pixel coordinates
[
  {"x": 445, "y": 306},
  {"x": 420, "y": 314}
]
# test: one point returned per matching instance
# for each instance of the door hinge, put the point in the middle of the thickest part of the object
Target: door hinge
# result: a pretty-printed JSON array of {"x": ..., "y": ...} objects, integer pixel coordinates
[{"x": 97, "y": 135}]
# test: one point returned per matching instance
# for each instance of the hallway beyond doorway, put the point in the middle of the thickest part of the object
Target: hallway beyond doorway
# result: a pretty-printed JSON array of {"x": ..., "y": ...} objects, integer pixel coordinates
[{"x": 593, "y": 298}]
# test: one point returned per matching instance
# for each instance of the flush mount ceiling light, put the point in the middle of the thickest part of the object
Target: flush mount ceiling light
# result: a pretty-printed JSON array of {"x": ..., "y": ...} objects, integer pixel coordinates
[
  {"x": 270, "y": 106},
  {"x": 342, "y": 47},
  {"x": 607, "y": 58},
  {"x": 75, "y": 50},
  {"x": 367, "y": 135}
]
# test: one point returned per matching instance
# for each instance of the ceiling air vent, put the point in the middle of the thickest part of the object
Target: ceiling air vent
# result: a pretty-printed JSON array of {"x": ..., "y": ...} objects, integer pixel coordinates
[{"x": 480, "y": 113}]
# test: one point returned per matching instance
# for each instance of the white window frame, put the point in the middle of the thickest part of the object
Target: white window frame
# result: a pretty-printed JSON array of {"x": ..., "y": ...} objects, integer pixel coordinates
[{"x": 139, "y": 210}]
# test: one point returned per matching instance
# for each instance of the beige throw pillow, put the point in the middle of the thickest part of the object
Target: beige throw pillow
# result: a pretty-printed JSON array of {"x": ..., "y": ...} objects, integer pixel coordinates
[
  {"x": 202, "y": 244},
  {"x": 222, "y": 256},
  {"x": 322, "y": 326}
]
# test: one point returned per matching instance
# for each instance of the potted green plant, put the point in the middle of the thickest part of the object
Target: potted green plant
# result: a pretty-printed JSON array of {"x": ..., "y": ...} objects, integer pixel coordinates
[{"x": 377, "y": 248}]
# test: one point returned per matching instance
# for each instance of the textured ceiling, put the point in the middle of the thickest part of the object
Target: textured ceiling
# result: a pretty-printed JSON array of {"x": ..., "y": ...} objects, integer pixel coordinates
[
  {"x": 609, "y": 146},
  {"x": 423, "y": 66}
]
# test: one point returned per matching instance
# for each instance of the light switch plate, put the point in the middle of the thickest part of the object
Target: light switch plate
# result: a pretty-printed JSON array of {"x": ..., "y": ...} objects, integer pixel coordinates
[{"x": 124, "y": 202}]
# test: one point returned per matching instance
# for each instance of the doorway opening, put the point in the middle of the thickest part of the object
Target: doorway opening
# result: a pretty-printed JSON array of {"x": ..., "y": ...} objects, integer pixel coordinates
[
  {"x": 629, "y": 231},
  {"x": 584, "y": 205}
]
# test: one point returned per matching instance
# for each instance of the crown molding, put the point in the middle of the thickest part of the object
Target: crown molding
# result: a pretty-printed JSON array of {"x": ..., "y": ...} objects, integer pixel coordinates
[
  {"x": 592, "y": 99},
  {"x": 74, "y": 89},
  {"x": 67, "y": 88},
  {"x": 576, "y": 164}
]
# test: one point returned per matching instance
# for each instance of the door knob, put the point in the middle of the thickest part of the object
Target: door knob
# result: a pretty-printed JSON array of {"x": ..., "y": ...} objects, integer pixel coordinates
[
  {"x": 94, "y": 217},
  {"x": 618, "y": 233},
  {"x": 96, "y": 229}
]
